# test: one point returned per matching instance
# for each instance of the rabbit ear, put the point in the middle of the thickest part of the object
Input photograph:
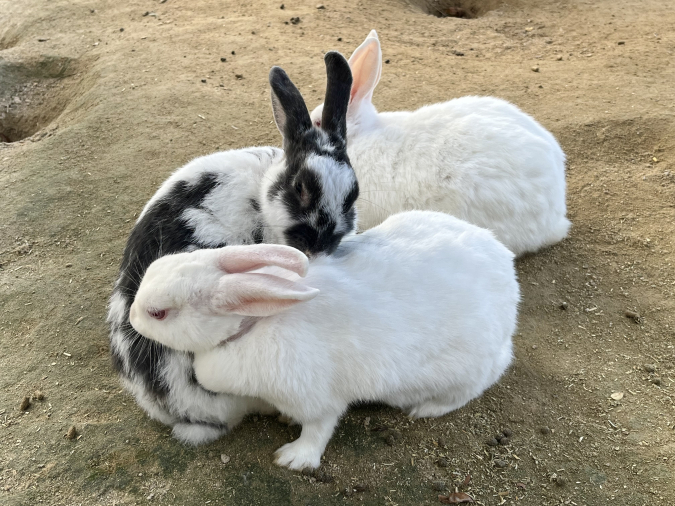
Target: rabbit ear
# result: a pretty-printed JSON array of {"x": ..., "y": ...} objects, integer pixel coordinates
[
  {"x": 235, "y": 259},
  {"x": 338, "y": 86},
  {"x": 256, "y": 294},
  {"x": 366, "y": 65},
  {"x": 290, "y": 112}
]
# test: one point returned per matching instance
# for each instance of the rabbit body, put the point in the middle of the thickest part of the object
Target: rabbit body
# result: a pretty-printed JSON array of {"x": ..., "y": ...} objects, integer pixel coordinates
[
  {"x": 478, "y": 158},
  {"x": 417, "y": 312},
  {"x": 302, "y": 196},
  {"x": 210, "y": 202}
]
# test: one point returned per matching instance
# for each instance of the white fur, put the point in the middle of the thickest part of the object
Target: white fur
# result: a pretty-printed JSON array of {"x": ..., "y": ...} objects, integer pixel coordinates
[
  {"x": 337, "y": 179},
  {"x": 417, "y": 312},
  {"x": 277, "y": 219},
  {"x": 478, "y": 158}
]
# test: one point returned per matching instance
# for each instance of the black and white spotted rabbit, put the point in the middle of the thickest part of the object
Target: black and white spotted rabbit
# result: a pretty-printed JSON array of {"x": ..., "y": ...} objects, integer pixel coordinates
[{"x": 302, "y": 196}]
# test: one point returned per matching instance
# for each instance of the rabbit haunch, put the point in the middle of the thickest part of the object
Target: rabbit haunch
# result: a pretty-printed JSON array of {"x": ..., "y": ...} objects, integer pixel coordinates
[
  {"x": 478, "y": 158},
  {"x": 417, "y": 312},
  {"x": 303, "y": 196}
]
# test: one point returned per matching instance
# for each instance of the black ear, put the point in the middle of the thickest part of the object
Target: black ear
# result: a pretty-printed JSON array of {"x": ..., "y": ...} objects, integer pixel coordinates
[
  {"x": 288, "y": 106},
  {"x": 338, "y": 92}
]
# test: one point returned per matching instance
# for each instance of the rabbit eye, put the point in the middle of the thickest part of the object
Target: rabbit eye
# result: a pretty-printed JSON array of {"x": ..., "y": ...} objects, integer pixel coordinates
[
  {"x": 318, "y": 122},
  {"x": 299, "y": 188},
  {"x": 302, "y": 193},
  {"x": 157, "y": 314}
]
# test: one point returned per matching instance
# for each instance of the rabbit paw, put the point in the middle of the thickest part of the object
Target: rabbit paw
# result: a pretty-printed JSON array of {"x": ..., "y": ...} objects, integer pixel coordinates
[
  {"x": 298, "y": 455},
  {"x": 198, "y": 433}
]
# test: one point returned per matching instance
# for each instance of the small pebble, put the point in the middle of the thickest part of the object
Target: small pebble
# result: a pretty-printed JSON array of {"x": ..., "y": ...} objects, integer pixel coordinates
[
  {"x": 295, "y": 20},
  {"x": 360, "y": 487},
  {"x": 501, "y": 463},
  {"x": 387, "y": 61},
  {"x": 491, "y": 442},
  {"x": 25, "y": 404},
  {"x": 339, "y": 39},
  {"x": 656, "y": 381},
  {"x": 507, "y": 432},
  {"x": 282, "y": 7},
  {"x": 239, "y": 76},
  {"x": 545, "y": 430},
  {"x": 535, "y": 68},
  {"x": 390, "y": 436},
  {"x": 320, "y": 6},
  {"x": 560, "y": 481},
  {"x": 441, "y": 441},
  {"x": 563, "y": 306},
  {"x": 323, "y": 476},
  {"x": 203, "y": 80},
  {"x": 439, "y": 486},
  {"x": 69, "y": 265},
  {"x": 504, "y": 441},
  {"x": 621, "y": 42},
  {"x": 632, "y": 315},
  {"x": 442, "y": 462},
  {"x": 649, "y": 367},
  {"x": 224, "y": 458},
  {"x": 499, "y": 436},
  {"x": 121, "y": 29},
  {"x": 72, "y": 432},
  {"x": 559, "y": 58},
  {"x": 223, "y": 59},
  {"x": 38, "y": 396}
]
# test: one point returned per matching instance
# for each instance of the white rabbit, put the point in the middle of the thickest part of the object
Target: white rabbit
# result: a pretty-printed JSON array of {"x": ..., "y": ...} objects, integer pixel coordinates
[
  {"x": 417, "y": 312},
  {"x": 302, "y": 196},
  {"x": 478, "y": 158}
]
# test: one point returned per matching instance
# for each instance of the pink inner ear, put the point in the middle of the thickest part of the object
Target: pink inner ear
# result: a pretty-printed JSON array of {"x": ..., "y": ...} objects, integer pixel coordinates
[
  {"x": 262, "y": 307},
  {"x": 237, "y": 259},
  {"x": 255, "y": 294},
  {"x": 363, "y": 63}
]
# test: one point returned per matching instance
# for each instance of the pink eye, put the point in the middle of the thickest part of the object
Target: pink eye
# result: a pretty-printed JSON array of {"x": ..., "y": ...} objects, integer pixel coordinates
[
  {"x": 318, "y": 122},
  {"x": 157, "y": 314}
]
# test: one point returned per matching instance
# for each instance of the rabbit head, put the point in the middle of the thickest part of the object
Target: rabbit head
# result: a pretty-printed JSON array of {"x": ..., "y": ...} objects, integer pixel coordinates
[
  {"x": 366, "y": 66},
  {"x": 194, "y": 301},
  {"x": 308, "y": 196}
]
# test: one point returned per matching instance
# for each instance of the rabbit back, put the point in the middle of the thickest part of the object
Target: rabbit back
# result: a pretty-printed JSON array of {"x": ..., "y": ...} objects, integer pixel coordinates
[
  {"x": 478, "y": 158},
  {"x": 421, "y": 307}
]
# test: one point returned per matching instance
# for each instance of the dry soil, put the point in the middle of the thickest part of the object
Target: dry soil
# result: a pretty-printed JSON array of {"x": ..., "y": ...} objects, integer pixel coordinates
[{"x": 100, "y": 101}]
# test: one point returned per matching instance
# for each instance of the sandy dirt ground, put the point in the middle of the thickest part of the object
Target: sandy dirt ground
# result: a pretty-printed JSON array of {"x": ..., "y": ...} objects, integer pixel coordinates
[{"x": 102, "y": 100}]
